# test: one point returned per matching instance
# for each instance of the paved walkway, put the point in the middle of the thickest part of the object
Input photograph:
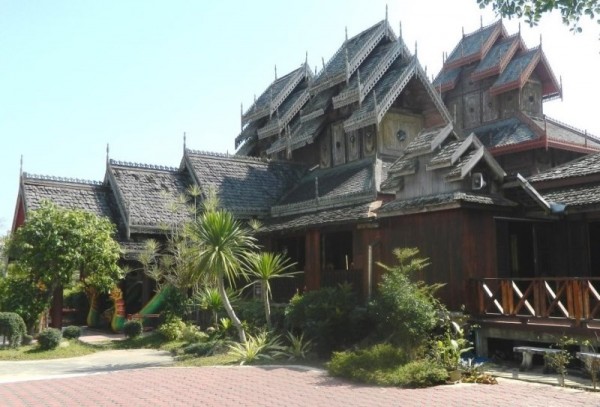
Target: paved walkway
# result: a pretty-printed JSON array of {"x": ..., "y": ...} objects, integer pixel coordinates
[
  {"x": 270, "y": 386},
  {"x": 107, "y": 361}
]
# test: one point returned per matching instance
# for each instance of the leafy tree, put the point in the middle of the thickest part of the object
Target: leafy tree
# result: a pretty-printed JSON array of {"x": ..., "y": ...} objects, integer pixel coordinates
[
  {"x": 265, "y": 267},
  {"x": 20, "y": 294},
  {"x": 55, "y": 243},
  {"x": 406, "y": 311},
  {"x": 222, "y": 244},
  {"x": 571, "y": 11}
]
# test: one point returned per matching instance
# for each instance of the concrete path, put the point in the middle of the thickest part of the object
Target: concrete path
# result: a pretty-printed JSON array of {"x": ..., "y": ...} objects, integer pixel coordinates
[
  {"x": 271, "y": 386},
  {"x": 107, "y": 361}
]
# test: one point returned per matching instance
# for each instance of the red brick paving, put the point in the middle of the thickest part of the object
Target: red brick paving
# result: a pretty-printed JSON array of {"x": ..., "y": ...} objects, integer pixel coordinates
[{"x": 270, "y": 386}]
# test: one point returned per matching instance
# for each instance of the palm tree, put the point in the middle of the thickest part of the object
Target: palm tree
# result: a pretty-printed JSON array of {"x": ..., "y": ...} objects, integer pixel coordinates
[
  {"x": 223, "y": 244},
  {"x": 264, "y": 267}
]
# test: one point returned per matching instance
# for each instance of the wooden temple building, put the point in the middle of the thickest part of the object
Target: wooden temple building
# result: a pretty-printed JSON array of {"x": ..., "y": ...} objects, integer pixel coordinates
[{"x": 344, "y": 165}]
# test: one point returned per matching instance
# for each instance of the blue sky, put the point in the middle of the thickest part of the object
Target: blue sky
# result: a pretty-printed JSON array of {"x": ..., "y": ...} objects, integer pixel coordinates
[{"x": 76, "y": 75}]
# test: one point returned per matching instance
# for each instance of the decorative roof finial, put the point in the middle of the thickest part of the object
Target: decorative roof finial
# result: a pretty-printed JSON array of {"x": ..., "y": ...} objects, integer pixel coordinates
[
  {"x": 400, "y": 29},
  {"x": 481, "y": 21},
  {"x": 519, "y": 28},
  {"x": 315, "y": 70},
  {"x": 386, "y": 13},
  {"x": 21, "y": 167},
  {"x": 346, "y": 28},
  {"x": 323, "y": 61},
  {"x": 425, "y": 70},
  {"x": 306, "y": 58},
  {"x": 275, "y": 71},
  {"x": 107, "y": 154},
  {"x": 463, "y": 31},
  {"x": 540, "y": 40},
  {"x": 416, "y": 48},
  {"x": 184, "y": 141}
]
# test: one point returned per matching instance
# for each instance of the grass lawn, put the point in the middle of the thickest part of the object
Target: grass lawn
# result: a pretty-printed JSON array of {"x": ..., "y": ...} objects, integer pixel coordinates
[
  {"x": 67, "y": 349},
  {"x": 74, "y": 348}
]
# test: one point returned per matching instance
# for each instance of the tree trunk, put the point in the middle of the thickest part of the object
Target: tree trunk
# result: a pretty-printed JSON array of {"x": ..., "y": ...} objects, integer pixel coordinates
[
  {"x": 265, "y": 295},
  {"x": 229, "y": 309}
]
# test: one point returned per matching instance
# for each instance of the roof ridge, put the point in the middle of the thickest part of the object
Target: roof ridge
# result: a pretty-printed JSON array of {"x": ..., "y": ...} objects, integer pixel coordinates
[
  {"x": 142, "y": 165},
  {"x": 53, "y": 178},
  {"x": 485, "y": 27},
  {"x": 569, "y": 127},
  {"x": 242, "y": 158},
  {"x": 214, "y": 154}
]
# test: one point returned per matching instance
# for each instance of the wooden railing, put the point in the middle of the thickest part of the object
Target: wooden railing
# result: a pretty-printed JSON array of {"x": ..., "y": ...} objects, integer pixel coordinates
[{"x": 575, "y": 299}]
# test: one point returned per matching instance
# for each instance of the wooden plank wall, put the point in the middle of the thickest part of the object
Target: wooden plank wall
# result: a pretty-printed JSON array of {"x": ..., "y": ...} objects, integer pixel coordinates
[{"x": 460, "y": 244}]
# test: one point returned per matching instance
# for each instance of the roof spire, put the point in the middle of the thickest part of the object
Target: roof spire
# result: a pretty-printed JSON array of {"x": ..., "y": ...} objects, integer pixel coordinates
[
  {"x": 107, "y": 154},
  {"x": 540, "y": 40},
  {"x": 416, "y": 48},
  {"x": 184, "y": 141},
  {"x": 346, "y": 28},
  {"x": 463, "y": 31},
  {"x": 386, "y": 12},
  {"x": 275, "y": 71},
  {"x": 519, "y": 28},
  {"x": 323, "y": 61},
  {"x": 400, "y": 29},
  {"x": 306, "y": 59},
  {"x": 21, "y": 167},
  {"x": 480, "y": 21},
  {"x": 315, "y": 70}
]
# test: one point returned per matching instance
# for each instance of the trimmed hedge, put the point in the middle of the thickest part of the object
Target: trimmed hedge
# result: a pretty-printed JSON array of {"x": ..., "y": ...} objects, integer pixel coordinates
[
  {"x": 49, "y": 338},
  {"x": 71, "y": 332},
  {"x": 12, "y": 328},
  {"x": 133, "y": 328}
]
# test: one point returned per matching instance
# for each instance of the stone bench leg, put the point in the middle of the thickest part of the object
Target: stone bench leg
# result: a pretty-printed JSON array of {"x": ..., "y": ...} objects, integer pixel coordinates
[{"x": 526, "y": 362}]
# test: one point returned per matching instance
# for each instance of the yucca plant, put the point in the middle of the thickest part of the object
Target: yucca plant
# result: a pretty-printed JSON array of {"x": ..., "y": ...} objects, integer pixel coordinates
[
  {"x": 222, "y": 242},
  {"x": 255, "y": 348},
  {"x": 298, "y": 348},
  {"x": 264, "y": 267}
]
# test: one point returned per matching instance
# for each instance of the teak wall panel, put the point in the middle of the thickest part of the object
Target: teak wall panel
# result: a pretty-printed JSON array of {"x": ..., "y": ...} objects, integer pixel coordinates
[{"x": 460, "y": 245}]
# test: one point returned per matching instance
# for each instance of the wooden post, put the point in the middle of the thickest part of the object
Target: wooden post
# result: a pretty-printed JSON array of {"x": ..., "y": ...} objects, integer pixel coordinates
[
  {"x": 56, "y": 309},
  {"x": 312, "y": 267}
]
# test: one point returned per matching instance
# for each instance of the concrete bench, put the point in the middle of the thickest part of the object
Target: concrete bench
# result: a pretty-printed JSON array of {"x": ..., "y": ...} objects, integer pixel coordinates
[
  {"x": 529, "y": 351},
  {"x": 590, "y": 359}
]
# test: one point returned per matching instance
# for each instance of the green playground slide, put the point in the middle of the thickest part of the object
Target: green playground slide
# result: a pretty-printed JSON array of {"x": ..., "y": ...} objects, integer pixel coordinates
[{"x": 156, "y": 303}]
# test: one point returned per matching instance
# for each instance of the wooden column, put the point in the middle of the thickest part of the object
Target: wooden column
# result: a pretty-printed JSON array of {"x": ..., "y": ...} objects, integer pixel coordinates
[
  {"x": 312, "y": 267},
  {"x": 56, "y": 309}
]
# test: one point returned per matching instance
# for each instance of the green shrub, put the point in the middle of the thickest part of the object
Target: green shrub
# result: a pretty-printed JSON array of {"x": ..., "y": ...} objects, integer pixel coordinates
[
  {"x": 329, "y": 316},
  {"x": 27, "y": 339},
  {"x": 419, "y": 373},
  {"x": 19, "y": 294},
  {"x": 172, "y": 329},
  {"x": 365, "y": 364},
  {"x": 71, "y": 332},
  {"x": 199, "y": 348},
  {"x": 406, "y": 311},
  {"x": 385, "y": 365},
  {"x": 12, "y": 328},
  {"x": 191, "y": 333},
  {"x": 133, "y": 329},
  {"x": 49, "y": 338}
]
